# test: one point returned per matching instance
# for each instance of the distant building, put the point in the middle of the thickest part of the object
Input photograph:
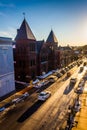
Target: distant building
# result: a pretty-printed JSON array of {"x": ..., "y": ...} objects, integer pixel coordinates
[
  {"x": 7, "y": 84},
  {"x": 33, "y": 57},
  {"x": 67, "y": 55}
]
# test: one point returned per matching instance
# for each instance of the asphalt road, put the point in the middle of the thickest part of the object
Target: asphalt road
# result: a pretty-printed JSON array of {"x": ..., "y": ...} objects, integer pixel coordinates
[{"x": 35, "y": 115}]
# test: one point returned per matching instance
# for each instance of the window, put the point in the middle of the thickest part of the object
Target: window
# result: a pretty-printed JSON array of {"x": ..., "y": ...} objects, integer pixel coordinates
[
  {"x": 32, "y": 47},
  {"x": 22, "y": 64},
  {"x": 32, "y": 62},
  {"x": 43, "y": 58}
]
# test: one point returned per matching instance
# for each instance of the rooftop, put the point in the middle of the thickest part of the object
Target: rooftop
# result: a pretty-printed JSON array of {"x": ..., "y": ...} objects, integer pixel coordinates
[
  {"x": 52, "y": 38},
  {"x": 25, "y": 32}
]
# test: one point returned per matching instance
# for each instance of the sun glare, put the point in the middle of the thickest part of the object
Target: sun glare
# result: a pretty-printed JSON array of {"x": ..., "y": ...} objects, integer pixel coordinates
[{"x": 84, "y": 31}]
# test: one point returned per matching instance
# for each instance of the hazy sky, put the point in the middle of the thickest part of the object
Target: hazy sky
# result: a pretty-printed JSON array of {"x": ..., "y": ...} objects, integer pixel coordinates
[{"x": 67, "y": 18}]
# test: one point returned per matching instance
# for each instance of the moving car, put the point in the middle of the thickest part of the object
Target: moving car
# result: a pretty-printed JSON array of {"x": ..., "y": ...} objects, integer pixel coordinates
[
  {"x": 73, "y": 80},
  {"x": 79, "y": 90},
  {"x": 68, "y": 74},
  {"x": 81, "y": 69},
  {"x": 44, "y": 95}
]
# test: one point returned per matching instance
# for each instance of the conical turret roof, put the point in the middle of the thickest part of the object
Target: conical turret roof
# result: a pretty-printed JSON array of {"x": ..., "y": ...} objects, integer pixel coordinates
[
  {"x": 52, "y": 38},
  {"x": 25, "y": 32}
]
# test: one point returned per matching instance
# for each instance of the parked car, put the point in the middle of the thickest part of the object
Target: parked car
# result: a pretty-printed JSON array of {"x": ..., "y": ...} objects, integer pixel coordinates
[
  {"x": 52, "y": 80},
  {"x": 85, "y": 63},
  {"x": 79, "y": 90},
  {"x": 68, "y": 74},
  {"x": 39, "y": 85},
  {"x": 44, "y": 95},
  {"x": 2, "y": 109},
  {"x": 46, "y": 82},
  {"x": 24, "y": 96},
  {"x": 69, "y": 66},
  {"x": 77, "y": 106},
  {"x": 16, "y": 100},
  {"x": 81, "y": 69},
  {"x": 66, "y": 68},
  {"x": 7, "y": 105},
  {"x": 81, "y": 84},
  {"x": 59, "y": 74}
]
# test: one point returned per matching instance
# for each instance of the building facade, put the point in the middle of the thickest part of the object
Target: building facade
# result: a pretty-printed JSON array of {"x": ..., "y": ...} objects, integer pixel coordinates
[
  {"x": 53, "y": 52},
  {"x": 34, "y": 57},
  {"x": 67, "y": 56},
  {"x": 7, "y": 84}
]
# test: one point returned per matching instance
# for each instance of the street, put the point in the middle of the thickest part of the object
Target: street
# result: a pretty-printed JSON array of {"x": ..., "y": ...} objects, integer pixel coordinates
[{"x": 32, "y": 114}]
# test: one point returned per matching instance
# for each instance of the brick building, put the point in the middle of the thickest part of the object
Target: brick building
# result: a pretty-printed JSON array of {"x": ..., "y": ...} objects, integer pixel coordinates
[{"x": 34, "y": 57}]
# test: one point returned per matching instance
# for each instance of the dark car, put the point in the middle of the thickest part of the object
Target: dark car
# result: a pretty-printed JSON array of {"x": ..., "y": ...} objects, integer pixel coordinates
[
  {"x": 52, "y": 80},
  {"x": 2, "y": 109},
  {"x": 66, "y": 68},
  {"x": 59, "y": 75},
  {"x": 7, "y": 105},
  {"x": 63, "y": 71}
]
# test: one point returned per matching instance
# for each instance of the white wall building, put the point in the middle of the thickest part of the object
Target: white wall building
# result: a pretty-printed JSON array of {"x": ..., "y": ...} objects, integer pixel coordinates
[{"x": 7, "y": 84}]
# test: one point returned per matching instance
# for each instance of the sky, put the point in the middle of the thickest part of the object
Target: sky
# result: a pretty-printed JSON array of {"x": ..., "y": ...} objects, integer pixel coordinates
[{"x": 67, "y": 18}]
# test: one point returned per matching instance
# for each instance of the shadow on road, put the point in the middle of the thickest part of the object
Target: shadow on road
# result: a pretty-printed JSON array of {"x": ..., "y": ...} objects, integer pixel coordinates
[
  {"x": 68, "y": 89},
  {"x": 30, "y": 111}
]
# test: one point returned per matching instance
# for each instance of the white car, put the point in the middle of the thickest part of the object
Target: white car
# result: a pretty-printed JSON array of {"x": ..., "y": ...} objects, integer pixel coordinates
[
  {"x": 44, "y": 95},
  {"x": 24, "y": 96},
  {"x": 39, "y": 85},
  {"x": 16, "y": 100},
  {"x": 21, "y": 98},
  {"x": 46, "y": 82}
]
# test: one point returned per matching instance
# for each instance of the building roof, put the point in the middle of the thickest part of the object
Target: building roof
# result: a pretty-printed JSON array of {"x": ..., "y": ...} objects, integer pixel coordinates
[
  {"x": 5, "y": 40},
  {"x": 67, "y": 48},
  {"x": 25, "y": 32},
  {"x": 52, "y": 38}
]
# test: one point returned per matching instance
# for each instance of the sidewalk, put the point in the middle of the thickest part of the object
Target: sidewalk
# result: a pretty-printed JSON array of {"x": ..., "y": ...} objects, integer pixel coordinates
[
  {"x": 15, "y": 95},
  {"x": 81, "y": 116}
]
